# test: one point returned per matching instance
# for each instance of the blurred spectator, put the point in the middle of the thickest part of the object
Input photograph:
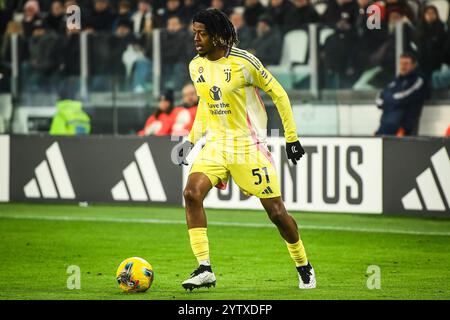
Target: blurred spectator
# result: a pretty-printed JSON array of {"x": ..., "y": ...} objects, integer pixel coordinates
[
  {"x": 138, "y": 67},
  {"x": 56, "y": 19},
  {"x": 189, "y": 9},
  {"x": 349, "y": 52},
  {"x": 337, "y": 55},
  {"x": 5, "y": 15},
  {"x": 71, "y": 62},
  {"x": 189, "y": 41},
  {"x": 13, "y": 27},
  {"x": 221, "y": 5},
  {"x": 385, "y": 56},
  {"x": 120, "y": 42},
  {"x": 268, "y": 42},
  {"x": 337, "y": 58},
  {"x": 140, "y": 70},
  {"x": 106, "y": 66},
  {"x": 278, "y": 10},
  {"x": 31, "y": 13},
  {"x": 431, "y": 36},
  {"x": 69, "y": 3},
  {"x": 401, "y": 6},
  {"x": 160, "y": 122},
  {"x": 174, "y": 60},
  {"x": 99, "y": 56},
  {"x": 70, "y": 119},
  {"x": 46, "y": 5},
  {"x": 173, "y": 8},
  {"x": 402, "y": 100},
  {"x": 142, "y": 17},
  {"x": 184, "y": 115},
  {"x": 14, "y": 5},
  {"x": 253, "y": 9},
  {"x": 368, "y": 40},
  {"x": 158, "y": 4},
  {"x": 300, "y": 15},
  {"x": 45, "y": 59},
  {"x": 123, "y": 30},
  {"x": 102, "y": 18},
  {"x": 124, "y": 12},
  {"x": 440, "y": 79},
  {"x": 244, "y": 33},
  {"x": 339, "y": 10}
]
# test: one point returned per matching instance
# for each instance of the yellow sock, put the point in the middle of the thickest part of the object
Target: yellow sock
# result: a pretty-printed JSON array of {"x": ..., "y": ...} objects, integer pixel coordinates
[
  {"x": 297, "y": 252},
  {"x": 199, "y": 244}
]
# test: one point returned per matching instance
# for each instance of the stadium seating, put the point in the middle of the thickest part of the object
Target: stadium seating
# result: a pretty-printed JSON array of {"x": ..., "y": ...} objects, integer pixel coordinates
[
  {"x": 416, "y": 7},
  {"x": 25, "y": 118},
  {"x": 442, "y": 7},
  {"x": 324, "y": 34},
  {"x": 363, "y": 82},
  {"x": 293, "y": 65}
]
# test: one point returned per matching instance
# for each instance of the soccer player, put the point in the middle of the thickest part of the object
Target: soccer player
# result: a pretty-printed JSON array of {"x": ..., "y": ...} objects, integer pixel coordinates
[{"x": 233, "y": 116}]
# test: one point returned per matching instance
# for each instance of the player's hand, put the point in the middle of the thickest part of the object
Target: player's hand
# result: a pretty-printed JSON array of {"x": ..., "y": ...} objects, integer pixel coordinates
[
  {"x": 294, "y": 151},
  {"x": 181, "y": 151}
]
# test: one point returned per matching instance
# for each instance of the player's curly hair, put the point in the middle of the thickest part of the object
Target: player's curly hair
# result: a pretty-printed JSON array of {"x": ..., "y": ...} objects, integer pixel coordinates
[{"x": 218, "y": 26}]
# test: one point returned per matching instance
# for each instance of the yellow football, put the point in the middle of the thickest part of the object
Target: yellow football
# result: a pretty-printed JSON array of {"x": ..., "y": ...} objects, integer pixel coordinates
[{"x": 134, "y": 275}]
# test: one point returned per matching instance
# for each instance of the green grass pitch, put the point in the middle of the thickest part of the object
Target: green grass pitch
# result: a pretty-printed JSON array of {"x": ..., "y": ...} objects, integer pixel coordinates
[{"x": 39, "y": 242}]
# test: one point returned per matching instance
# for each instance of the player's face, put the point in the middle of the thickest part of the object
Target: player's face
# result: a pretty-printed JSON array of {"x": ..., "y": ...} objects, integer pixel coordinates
[{"x": 202, "y": 40}]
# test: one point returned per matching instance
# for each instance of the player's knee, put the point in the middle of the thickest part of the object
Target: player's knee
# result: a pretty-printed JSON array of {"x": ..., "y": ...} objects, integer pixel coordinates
[
  {"x": 192, "y": 195},
  {"x": 276, "y": 217},
  {"x": 277, "y": 213}
]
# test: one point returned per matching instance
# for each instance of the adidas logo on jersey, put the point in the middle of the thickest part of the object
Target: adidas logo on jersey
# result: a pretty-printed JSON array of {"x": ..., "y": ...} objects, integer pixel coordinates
[
  {"x": 141, "y": 179},
  {"x": 267, "y": 190},
  {"x": 201, "y": 79}
]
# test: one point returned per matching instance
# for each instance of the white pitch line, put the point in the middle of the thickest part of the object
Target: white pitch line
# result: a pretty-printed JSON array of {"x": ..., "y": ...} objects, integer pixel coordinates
[{"x": 220, "y": 223}]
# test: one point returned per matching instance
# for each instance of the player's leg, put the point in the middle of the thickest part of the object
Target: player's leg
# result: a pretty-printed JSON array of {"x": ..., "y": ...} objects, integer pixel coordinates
[
  {"x": 258, "y": 177},
  {"x": 196, "y": 189},
  {"x": 287, "y": 226}
]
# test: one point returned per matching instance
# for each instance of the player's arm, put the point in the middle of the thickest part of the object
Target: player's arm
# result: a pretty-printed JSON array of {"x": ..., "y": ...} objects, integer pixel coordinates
[
  {"x": 198, "y": 129},
  {"x": 199, "y": 126},
  {"x": 181, "y": 151},
  {"x": 262, "y": 78}
]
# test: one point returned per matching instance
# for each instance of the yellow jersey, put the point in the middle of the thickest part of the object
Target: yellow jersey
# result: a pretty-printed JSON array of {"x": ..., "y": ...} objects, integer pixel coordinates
[{"x": 230, "y": 107}]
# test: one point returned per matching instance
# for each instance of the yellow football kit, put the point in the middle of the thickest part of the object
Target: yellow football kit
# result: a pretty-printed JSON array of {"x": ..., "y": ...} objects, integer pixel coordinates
[{"x": 233, "y": 116}]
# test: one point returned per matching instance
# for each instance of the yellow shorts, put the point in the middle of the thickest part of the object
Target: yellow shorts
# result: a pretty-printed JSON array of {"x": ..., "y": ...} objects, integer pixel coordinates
[{"x": 251, "y": 168}]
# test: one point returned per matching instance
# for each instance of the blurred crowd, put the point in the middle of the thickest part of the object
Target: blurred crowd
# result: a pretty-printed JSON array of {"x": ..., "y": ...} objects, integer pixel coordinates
[
  {"x": 121, "y": 39},
  {"x": 171, "y": 119}
]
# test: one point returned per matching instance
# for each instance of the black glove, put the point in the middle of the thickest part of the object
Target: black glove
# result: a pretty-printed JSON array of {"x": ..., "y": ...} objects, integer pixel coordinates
[
  {"x": 294, "y": 151},
  {"x": 181, "y": 151}
]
